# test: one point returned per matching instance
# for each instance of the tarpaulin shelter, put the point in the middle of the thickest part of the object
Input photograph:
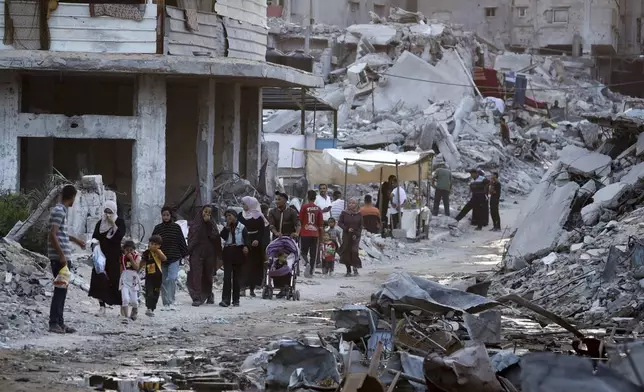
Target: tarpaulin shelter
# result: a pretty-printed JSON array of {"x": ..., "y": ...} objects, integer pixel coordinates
[{"x": 336, "y": 166}]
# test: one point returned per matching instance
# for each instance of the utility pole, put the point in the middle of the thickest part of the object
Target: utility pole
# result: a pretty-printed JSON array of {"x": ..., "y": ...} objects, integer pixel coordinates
[{"x": 309, "y": 29}]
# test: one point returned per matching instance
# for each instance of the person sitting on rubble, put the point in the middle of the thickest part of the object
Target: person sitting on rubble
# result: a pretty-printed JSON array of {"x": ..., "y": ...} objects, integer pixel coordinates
[
  {"x": 505, "y": 132},
  {"x": 130, "y": 282}
]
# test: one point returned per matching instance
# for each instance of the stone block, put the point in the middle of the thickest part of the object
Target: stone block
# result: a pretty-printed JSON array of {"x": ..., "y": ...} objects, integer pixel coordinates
[
  {"x": 541, "y": 227},
  {"x": 635, "y": 174},
  {"x": 375, "y": 34},
  {"x": 581, "y": 161}
]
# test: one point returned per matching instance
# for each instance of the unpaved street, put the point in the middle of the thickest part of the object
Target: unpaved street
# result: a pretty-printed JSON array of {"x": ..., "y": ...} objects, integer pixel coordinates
[{"x": 224, "y": 337}]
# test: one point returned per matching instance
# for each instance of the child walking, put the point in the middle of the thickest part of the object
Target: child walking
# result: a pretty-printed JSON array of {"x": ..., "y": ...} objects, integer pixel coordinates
[
  {"x": 330, "y": 249},
  {"x": 130, "y": 282},
  {"x": 235, "y": 237},
  {"x": 153, "y": 257}
]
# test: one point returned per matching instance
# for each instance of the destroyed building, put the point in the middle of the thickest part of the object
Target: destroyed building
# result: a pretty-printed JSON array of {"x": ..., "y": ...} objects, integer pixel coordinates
[{"x": 133, "y": 93}]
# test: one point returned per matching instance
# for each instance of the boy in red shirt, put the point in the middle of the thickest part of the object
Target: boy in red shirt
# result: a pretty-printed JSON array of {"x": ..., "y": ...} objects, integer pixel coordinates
[
  {"x": 312, "y": 223},
  {"x": 329, "y": 249}
]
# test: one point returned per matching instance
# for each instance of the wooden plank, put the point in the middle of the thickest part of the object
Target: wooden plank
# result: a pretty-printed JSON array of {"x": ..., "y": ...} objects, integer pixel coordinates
[
  {"x": 210, "y": 36},
  {"x": 246, "y": 41},
  {"x": 73, "y": 29},
  {"x": 251, "y": 11}
]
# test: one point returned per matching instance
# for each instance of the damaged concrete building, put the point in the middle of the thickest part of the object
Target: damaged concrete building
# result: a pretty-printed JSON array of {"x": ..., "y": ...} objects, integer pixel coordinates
[{"x": 154, "y": 97}]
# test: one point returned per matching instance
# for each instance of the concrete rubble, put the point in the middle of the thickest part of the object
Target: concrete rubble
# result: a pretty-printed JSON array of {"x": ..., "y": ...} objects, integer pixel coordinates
[{"x": 577, "y": 247}]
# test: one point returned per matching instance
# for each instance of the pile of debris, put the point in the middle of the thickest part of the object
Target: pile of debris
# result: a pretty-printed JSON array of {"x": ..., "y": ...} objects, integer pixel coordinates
[
  {"x": 25, "y": 282},
  {"x": 417, "y": 334},
  {"x": 578, "y": 245},
  {"x": 406, "y": 83}
]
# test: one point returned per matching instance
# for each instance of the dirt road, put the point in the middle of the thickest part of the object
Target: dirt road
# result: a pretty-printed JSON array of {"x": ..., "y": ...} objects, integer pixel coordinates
[{"x": 225, "y": 336}]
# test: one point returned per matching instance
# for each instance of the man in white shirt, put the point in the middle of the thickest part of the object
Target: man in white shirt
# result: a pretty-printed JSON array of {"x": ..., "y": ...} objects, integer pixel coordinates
[
  {"x": 337, "y": 206},
  {"x": 323, "y": 200},
  {"x": 397, "y": 199}
]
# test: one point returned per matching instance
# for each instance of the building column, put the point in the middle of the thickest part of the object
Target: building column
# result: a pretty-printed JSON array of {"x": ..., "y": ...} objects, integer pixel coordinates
[
  {"x": 228, "y": 119},
  {"x": 148, "y": 157},
  {"x": 9, "y": 146},
  {"x": 252, "y": 130},
  {"x": 206, "y": 141}
]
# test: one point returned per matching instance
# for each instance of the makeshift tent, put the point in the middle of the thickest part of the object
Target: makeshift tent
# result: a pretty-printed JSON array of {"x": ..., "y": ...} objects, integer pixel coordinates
[{"x": 328, "y": 166}]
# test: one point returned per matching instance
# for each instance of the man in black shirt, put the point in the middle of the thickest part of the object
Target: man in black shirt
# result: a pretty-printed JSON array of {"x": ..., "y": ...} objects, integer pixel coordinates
[
  {"x": 477, "y": 202},
  {"x": 383, "y": 199},
  {"x": 495, "y": 196}
]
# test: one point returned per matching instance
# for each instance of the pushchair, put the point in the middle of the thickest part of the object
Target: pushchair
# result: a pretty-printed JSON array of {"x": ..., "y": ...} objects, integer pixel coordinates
[{"x": 287, "y": 273}]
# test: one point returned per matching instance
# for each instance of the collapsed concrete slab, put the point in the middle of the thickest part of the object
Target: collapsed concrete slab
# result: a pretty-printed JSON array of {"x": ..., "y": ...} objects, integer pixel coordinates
[
  {"x": 375, "y": 34},
  {"x": 587, "y": 163},
  {"x": 542, "y": 225},
  {"x": 607, "y": 197},
  {"x": 404, "y": 79},
  {"x": 635, "y": 175},
  {"x": 640, "y": 145}
]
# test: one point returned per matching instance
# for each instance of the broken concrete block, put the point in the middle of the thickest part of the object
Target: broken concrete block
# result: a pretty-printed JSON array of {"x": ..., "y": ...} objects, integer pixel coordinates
[
  {"x": 576, "y": 247},
  {"x": 484, "y": 327},
  {"x": 540, "y": 229},
  {"x": 375, "y": 34},
  {"x": 590, "y": 214},
  {"x": 356, "y": 74},
  {"x": 635, "y": 174},
  {"x": 640, "y": 145},
  {"x": 550, "y": 259},
  {"x": 588, "y": 189},
  {"x": 512, "y": 61},
  {"x": 608, "y": 196},
  {"x": 581, "y": 161},
  {"x": 402, "y": 88}
]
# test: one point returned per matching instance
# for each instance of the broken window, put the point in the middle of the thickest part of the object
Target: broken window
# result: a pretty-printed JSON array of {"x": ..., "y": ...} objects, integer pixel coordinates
[
  {"x": 522, "y": 12},
  {"x": 490, "y": 12},
  {"x": 557, "y": 15},
  {"x": 379, "y": 10}
]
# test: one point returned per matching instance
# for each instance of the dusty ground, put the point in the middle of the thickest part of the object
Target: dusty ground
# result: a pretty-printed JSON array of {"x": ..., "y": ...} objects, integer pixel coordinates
[{"x": 106, "y": 346}]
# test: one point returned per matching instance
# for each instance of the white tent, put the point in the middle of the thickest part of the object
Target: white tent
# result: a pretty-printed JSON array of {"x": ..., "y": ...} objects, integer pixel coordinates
[{"x": 328, "y": 166}]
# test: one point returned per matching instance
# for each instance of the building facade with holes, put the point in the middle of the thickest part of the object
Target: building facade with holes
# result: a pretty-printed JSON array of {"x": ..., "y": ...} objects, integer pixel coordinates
[{"x": 157, "y": 98}]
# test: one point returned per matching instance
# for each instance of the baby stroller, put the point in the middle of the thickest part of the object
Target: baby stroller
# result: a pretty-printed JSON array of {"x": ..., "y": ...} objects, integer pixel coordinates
[{"x": 286, "y": 275}]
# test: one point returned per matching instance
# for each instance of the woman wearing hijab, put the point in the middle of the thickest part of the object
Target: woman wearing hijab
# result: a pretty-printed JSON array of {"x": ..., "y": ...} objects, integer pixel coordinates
[
  {"x": 350, "y": 222},
  {"x": 204, "y": 250},
  {"x": 109, "y": 232},
  {"x": 256, "y": 224}
]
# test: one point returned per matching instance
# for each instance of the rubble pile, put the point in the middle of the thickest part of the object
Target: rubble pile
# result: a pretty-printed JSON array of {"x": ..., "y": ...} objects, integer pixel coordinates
[
  {"x": 407, "y": 83},
  {"x": 578, "y": 244},
  {"x": 420, "y": 335},
  {"x": 25, "y": 282}
]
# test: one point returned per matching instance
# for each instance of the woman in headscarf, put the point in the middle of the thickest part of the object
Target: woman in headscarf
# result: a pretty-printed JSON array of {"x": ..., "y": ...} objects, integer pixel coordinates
[
  {"x": 256, "y": 224},
  {"x": 350, "y": 222},
  {"x": 109, "y": 232},
  {"x": 204, "y": 250}
]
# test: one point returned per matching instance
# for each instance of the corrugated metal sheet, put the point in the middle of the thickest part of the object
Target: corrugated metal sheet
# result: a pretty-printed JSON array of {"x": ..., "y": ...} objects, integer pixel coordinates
[
  {"x": 210, "y": 37},
  {"x": 72, "y": 29},
  {"x": 246, "y": 41},
  {"x": 251, "y": 11}
]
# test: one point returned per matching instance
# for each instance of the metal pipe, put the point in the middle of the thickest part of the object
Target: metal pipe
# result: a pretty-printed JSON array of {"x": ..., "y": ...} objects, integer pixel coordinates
[
  {"x": 398, "y": 191},
  {"x": 346, "y": 171},
  {"x": 309, "y": 29}
]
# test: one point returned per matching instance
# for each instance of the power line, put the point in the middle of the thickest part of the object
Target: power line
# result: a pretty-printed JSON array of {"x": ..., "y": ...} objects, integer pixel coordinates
[{"x": 531, "y": 89}]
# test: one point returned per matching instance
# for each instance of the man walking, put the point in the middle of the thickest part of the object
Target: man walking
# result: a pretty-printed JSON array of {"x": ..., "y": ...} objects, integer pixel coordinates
[
  {"x": 323, "y": 200},
  {"x": 397, "y": 200},
  {"x": 175, "y": 248},
  {"x": 59, "y": 250},
  {"x": 478, "y": 198},
  {"x": 337, "y": 206},
  {"x": 442, "y": 183},
  {"x": 495, "y": 197},
  {"x": 312, "y": 224}
]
